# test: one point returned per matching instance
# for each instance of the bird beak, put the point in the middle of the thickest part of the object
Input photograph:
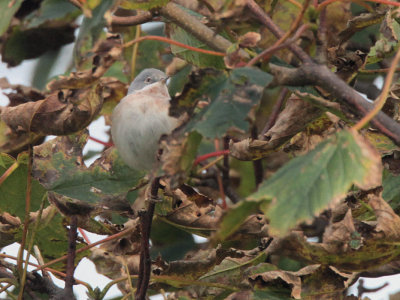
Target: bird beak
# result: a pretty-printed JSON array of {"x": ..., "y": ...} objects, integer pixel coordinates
[{"x": 164, "y": 80}]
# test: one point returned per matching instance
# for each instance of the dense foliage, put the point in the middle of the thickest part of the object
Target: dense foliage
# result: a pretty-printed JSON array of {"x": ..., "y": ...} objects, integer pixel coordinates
[{"x": 306, "y": 201}]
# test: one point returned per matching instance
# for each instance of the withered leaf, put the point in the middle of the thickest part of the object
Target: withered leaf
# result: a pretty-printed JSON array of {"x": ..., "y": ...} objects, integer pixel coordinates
[
  {"x": 249, "y": 149},
  {"x": 57, "y": 114},
  {"x": 293, "y": 279},
  {"x": 388, "y": 226},
  {"x": 294, "y": 118},
  {"x": 337, "y": 236}
]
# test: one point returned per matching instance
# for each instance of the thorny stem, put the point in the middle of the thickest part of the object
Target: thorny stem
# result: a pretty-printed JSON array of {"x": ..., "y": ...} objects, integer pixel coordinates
[
  {"x": 380, "y": 101},
  {"x": 146, "y": 218},
  {"x": 169, "y": 41}
]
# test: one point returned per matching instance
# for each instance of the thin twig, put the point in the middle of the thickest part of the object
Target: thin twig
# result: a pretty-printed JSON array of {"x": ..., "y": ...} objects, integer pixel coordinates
[
  {"x": 381, "y": 100},
  {"x": 101, "y": 142},
  {"x": 72, "y": 235},
  {"x": 203, "y": 157},
  {"x": 320, "y": 75},
  {"x": 8, "y": 172},
  {"x": 225, "y": 170},
  {"x": 146, "y": 218},
  {"x": 257, "y": 164},
  {"x": 107, "y": 239},
  {"x": 275, "y": 112},
  {"x": 266, "y": 54},
  {"x": 267, "y": 21},
  {"x": 387, "y": 2},
  {"x": 219, "y": 179},
  {"x": 375, "y": 71},
  {"x": 26, "y": 220},
  {"x": 140, "y": 18},
  {"x": 84, "y": 235},
  {"x": 169, "y": 41},
  {"x": 135, "y": 52},
  {"x": 47, "y": 269}
]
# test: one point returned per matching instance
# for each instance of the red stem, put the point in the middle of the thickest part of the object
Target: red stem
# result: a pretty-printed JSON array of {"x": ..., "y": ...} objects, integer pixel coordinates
[
  {"x": 101, "y": 142},
  {"x": 169, "y": 41},
  {"x": 201, "y": 158}
]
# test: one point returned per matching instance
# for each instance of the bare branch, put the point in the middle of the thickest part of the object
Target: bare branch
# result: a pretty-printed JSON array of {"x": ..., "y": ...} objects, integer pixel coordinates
[{"x": 320, "y": 75}]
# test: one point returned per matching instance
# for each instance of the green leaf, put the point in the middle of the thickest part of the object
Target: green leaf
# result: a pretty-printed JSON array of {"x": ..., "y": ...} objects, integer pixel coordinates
[
  {"x": 391, "y": 191},
  {"x": 170, "y": 242},
  {"x": 59, "y": 171},
  {"x": 31, "y": 43},
  {"x": 13, "y": 189},
  {"x": 201, "y": 60},
  {"x": 91, "y": 29},
  {"x": 53, "y": 10},
  {"x": 308, "y": 184},
  {"x": 7, "y": 13},
  {"x": 232, "y": 98}
]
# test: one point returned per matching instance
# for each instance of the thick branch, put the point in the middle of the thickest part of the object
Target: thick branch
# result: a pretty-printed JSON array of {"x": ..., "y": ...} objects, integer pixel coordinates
[
  {"x": 192, "y": 25},
  {"x": 320, "y": 75}
]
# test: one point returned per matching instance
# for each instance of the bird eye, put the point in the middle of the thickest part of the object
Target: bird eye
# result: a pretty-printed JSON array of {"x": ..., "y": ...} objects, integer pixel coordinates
[{"x": 148, "y": 80}]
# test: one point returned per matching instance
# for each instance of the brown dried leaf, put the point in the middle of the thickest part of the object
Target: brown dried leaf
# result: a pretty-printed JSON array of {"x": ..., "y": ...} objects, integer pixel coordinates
[
  {"x": 21, "y": 93},
  {"x": 106, "y": 53},
  {"x": 387, "y": 29},
  {"x": 337, "y": 236},
  {"x": 360, "y": 22},
  {"x": 293, "y": 119},
  {"x": 249, "y": 149},
  {"x": 58, "y": 114},
  {"x": 388, "y": 226},
  {"x": 9, "y": 227},
  {"x": 291, "y": 278}
]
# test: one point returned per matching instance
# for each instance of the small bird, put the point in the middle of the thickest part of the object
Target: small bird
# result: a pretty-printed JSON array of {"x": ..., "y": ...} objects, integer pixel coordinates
[{"x": 141, "y": 118}]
